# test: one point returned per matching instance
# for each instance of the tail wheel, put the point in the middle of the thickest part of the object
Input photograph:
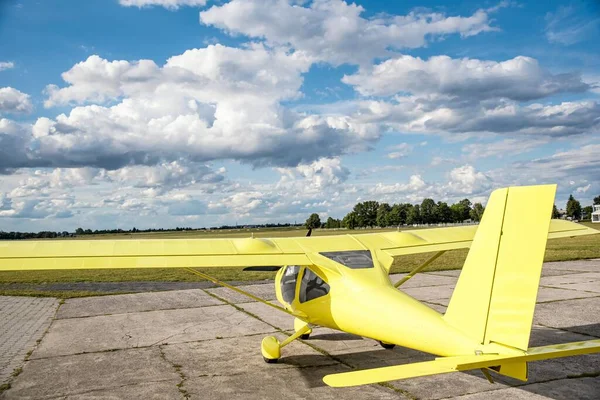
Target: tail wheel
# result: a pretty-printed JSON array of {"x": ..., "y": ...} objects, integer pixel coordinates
[
  {"x": 387, "y": 346},
  {"x": 270, "y": 360},
  {"x": 305, "y": 336}
]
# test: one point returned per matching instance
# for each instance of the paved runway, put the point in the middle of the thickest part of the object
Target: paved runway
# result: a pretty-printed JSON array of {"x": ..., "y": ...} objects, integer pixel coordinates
[{"x": 205, "y": 344}]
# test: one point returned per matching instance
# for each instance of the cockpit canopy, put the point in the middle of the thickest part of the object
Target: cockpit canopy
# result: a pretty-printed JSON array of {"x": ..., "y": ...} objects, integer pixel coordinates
[{"x": 310, "y": 286}]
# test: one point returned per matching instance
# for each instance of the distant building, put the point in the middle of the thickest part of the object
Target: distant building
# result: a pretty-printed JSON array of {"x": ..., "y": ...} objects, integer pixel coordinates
[
  {"x": 596, "y": 213},
  {"x": 562, "y": 214}
]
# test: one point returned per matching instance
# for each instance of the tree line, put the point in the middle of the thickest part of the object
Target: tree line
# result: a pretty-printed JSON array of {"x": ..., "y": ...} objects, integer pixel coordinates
[
  {"x": 83, "y": 232},
  {"x": 369, "y": 214}
]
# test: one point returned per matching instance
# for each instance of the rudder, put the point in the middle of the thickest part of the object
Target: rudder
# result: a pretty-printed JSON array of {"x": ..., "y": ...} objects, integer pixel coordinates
[{"x": 495, "y": 295}]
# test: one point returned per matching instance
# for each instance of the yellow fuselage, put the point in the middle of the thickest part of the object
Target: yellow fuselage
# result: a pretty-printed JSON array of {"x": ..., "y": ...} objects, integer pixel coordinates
[{"x": 364, "y": 302}]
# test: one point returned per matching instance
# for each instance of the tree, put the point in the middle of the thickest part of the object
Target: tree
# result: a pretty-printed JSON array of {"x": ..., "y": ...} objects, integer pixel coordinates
[
  {"x": 597, "y": 200},
  {"x": 573, "y": 208},
  {"x": 332, "y": 223},
  {"x": 313, "y": 222},
  {"x": 555, "y": 213},
  {"x": 466, "y": 208},
  {"x": 456, "y": 210},
  {"x": 366, "y": 213},
  {"x": 443, "y": 212},
  {"x": 477, "y": 212},
  {"x": 79, "y": 231},
  {"x": 461, "y": 210},
  {"x": 587, "y": 212},
  {"x": 414, "y": 215},
  {"x": 383, "y": 215},
  {"x": 428, "y": 211},
  {"x": 350, "y": 221}
]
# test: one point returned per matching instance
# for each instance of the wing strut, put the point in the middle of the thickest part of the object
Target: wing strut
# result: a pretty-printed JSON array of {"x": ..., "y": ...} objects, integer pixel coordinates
[
  {"x": 419, "y": 268},
  {"x": 240, "y": 291}
]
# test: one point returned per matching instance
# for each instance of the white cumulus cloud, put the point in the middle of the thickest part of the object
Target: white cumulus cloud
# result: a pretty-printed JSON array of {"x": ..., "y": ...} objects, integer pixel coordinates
[
  {"x": 14, "y": 101},
  {"x": 520, "y": 78},
  {"x": 168, "y": 4},
  {"x": 335, "y": 31}
]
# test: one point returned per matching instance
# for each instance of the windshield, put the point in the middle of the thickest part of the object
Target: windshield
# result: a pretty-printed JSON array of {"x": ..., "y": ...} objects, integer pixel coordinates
[{"x": 288, "y": 283}]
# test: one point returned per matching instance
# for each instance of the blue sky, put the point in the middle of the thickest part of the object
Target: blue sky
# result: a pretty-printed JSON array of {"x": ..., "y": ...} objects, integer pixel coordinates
[{"x": 162, "y": 113}]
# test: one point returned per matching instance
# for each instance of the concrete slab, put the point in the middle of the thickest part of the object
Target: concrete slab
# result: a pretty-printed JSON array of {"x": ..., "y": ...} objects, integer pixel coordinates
[
  {"x": 453, "y": 272},
  {"x": 264, "y": 291},
  {"x": 560, "y": 280},
  {"x": 144, "y": 390},
  {"x": 591, "y": 265},
  {"x": 422, "y": 280},
  {"x": 581, "y": 316},
  {"x": 443, "y": 292},
  {"x": 81, "y": 375},
  {"x": 24, "y": 320},
  {"x": 447, "y": 385},
  {"x": 269, "y": 315},
  {"x": 581, "y": 389},
  {"x": 558, "y": 271},
  {"x": 590, "y": 287},
  {"x": 234, "y": 356},
  {"x": 289, "y": 383},
  {"x": 550, "y": 294},
  {"x": 122, "y": 331},
  {"x": 131, "y": 303}
]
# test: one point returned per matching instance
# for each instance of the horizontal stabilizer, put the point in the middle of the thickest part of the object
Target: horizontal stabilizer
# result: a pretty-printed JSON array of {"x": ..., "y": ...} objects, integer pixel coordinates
[
  {"x": 459, "y": 363},
  {"x": 560, "y": 228}
]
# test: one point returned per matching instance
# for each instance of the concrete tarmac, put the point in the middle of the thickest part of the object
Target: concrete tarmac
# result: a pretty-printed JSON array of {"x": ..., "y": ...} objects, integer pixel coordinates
[{"x": 205, "y": 344}]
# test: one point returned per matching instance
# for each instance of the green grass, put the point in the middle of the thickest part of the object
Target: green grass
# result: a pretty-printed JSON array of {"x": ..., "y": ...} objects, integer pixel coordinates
[{"x": 557, "y": 250}]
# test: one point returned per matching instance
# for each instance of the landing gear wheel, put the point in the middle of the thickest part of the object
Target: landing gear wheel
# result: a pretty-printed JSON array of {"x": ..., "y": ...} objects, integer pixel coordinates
[
  {"x": 387, "y": 346},
  {"x": 270, "y": 349},
  {"x": 305, "y": 336}
]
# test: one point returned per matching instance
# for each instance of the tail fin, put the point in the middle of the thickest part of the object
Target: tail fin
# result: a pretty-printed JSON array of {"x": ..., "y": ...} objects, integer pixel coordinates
[{"x": 496, "y": 292}]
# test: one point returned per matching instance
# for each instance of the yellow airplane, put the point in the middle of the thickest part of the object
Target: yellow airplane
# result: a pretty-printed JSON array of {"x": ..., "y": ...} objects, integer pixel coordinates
[{"x": 342, "y": 282}]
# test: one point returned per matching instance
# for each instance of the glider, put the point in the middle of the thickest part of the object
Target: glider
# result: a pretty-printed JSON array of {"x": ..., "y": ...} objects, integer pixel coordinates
[{"x": 342, "y": 282}]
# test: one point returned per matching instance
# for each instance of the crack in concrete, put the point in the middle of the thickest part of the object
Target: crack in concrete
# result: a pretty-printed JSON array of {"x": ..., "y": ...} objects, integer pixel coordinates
[
  {"x": 178, "y": 371},
  {"x": 140, "y": 312}
]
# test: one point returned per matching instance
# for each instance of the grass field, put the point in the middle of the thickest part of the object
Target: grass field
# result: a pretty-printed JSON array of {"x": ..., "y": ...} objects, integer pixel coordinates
[{"x": 557, "y": 250}]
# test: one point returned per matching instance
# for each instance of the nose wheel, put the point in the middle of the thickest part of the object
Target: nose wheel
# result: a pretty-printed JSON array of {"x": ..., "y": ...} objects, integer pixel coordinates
[{"x": 271, "y": 347}]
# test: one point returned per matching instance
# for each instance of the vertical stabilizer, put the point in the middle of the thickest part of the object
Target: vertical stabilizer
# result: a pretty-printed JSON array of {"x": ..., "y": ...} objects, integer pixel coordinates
[{"x": 495, "y": 295}]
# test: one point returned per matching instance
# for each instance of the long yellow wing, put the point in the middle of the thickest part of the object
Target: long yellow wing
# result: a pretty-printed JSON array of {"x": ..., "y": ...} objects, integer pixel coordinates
[{"x": 178, "y": 253}]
